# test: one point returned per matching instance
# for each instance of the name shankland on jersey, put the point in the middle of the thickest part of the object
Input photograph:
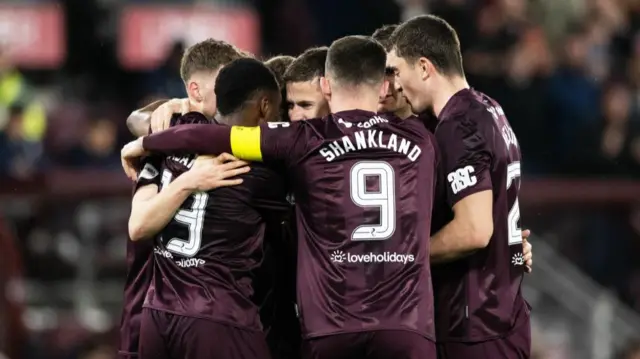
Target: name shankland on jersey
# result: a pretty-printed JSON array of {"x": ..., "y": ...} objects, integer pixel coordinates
[{"x": 366, "y": 139}]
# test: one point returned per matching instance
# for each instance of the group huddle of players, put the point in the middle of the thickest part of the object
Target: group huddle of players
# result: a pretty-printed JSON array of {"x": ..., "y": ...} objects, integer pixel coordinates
[{"x": 377, "y": 216}]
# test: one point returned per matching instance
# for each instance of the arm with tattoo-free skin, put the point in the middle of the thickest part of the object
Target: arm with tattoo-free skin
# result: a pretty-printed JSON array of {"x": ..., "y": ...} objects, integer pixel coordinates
[
  {"x": 151, "y": 209},
  {"x": 139, "y": 121},
  {"x": 274, "y": 142},
  {"x": 156, "y": 116},
  {"x": 470, "y": 229}
]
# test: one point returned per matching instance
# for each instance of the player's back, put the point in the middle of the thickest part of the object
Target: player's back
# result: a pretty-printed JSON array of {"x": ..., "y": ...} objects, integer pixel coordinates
[
  {"x": 364, "y": 191},
  {"x": 206, "y": 256},
  {"x": 479, "y": 297}
]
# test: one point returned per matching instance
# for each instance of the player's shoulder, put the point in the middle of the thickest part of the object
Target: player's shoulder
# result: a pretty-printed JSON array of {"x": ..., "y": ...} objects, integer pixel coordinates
[
  {"x": 333, "y": 124},
  {"x": 261, "y": 174},
  {"x": 151, "y": 167},
  {"x": 411, "y": 127},
  {"x": 176, "y": 165},
  {"x": 296, "y": 126},
  {"x": 468, "y": 110}
]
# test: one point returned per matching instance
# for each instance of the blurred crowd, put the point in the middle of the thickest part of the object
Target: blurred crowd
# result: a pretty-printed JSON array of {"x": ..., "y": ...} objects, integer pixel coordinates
[{"x": 567, "y": 73}]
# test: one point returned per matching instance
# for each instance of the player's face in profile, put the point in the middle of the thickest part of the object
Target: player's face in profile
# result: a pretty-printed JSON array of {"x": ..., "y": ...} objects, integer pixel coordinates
[
  {"x": 306, "y": 101},
  {"x": 394, "y": 100},
  {"x": 411, "y": 79}
]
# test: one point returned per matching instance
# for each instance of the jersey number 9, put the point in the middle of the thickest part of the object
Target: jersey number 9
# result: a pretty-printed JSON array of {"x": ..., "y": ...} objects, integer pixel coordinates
[
  {"x": 192, "y": 218},
  {"x": 384, "y": 199}
]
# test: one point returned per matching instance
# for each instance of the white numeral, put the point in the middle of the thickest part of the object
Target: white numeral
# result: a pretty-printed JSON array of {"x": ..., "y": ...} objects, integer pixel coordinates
[
  {"x": 384, "y": 199},
  {"x": 515, "y": 232},
  {"x": 192, "y": 218}
]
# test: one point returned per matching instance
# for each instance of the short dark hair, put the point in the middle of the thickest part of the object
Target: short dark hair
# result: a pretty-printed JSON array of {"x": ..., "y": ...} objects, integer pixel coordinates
[
  {"x": 309, "y": 65},
  {"x": 383, "y": 34},
  {"x": 238, "y": 81},
  {"x": 278, "y": 65},
  {"x": 356, "y": 60},
  {"x": 430, "y": 37},
  {"x": 207, "y": 55}
]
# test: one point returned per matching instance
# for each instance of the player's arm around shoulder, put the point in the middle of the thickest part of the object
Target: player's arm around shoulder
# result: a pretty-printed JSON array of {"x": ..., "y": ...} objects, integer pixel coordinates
[
  {"x": 151, "y": 210},
  {"x": 272, "y": 142},
  {"x": 466, "y": 159},
  {"x": 156, "y": 116}
]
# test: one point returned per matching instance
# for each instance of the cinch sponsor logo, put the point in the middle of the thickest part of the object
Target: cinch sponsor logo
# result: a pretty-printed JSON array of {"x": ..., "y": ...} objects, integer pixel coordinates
[{"x": 386, "y": 257}]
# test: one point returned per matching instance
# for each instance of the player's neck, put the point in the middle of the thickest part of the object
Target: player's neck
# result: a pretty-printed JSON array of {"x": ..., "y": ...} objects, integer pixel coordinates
[
  {"x": 404, "y": 112},
  {"x": 347, "y": 102},
  {"x": 196, "y": 106},
  {"x": 236, "y": 119},
  {"x": 449, "y": 87}
]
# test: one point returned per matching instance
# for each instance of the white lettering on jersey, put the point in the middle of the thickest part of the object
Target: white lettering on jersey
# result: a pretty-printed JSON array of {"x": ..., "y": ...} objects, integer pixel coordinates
[
  {"x": 372, "y": 121},
  {"x": 505, "y": 130},
  {"x": 508, "y": 136},
  {"x": 186, "y": 161},
  {"x": 462, "y": 178},
  {"x": 368, "y": 139}
]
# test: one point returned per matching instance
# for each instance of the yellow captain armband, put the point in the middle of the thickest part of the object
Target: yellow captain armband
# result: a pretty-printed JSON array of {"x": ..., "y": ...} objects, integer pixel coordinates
[{"x": 245, "y": 143}]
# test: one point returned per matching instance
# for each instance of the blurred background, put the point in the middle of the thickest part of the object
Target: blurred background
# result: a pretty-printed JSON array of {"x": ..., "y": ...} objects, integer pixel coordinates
[{"x": 567, "y": 73}]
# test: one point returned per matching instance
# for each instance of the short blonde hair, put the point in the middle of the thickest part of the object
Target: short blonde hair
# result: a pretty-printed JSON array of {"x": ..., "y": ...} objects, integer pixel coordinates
[{"x": 207, "y": 55}]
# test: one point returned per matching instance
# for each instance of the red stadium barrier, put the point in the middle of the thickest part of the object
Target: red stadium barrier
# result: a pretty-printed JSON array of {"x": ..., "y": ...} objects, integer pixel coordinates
[
  {"x": 147, "y": 32},
  {"x": 33, "y": 34}
]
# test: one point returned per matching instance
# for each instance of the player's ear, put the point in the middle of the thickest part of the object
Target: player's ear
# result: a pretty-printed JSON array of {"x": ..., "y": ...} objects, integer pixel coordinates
[
  {"x": 425, "y": 67},
  {"x": 193, "y": 90},
  {"x": 325, "y": 86},
  {"x": 384, "y": 89},
  {"x": 264, "y": 107}
]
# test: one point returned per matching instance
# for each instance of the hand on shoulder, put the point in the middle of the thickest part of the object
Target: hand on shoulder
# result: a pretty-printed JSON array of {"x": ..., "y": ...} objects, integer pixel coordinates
[
  {"x": 161, "y": 117},
  {"x": 210, "y": 172}
]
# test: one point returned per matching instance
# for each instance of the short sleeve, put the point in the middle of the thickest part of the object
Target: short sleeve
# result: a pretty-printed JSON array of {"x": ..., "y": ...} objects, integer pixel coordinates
[
  {"x": 150, "y": 172},
  {"x": 466, "y": 158},
  {"x": 285, "y": 143}
]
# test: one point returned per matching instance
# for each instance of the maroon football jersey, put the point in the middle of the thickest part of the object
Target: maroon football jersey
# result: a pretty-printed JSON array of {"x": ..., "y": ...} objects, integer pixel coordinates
[
  {"x": 139, "y": 270},
  {"x": 205, "y": 257},
  {"x": 479, "y": 297},
  {"x": 363, "y": 187}
]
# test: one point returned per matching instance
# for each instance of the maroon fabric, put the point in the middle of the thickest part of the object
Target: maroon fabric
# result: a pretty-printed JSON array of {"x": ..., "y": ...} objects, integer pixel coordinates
[
  {"x": 208, "y": 254},
  {"x": 168, "y": 336},
  {"x": 364, "y": 187},
  {"x": 195, "y": 137},
  {"x": 479, "y": 297},
  {"x": 139, "y": 272},
  {"x": 380, "y": 344},
  {"x": 205, "y": 258},
  {"x": 516, "y": 345}
]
